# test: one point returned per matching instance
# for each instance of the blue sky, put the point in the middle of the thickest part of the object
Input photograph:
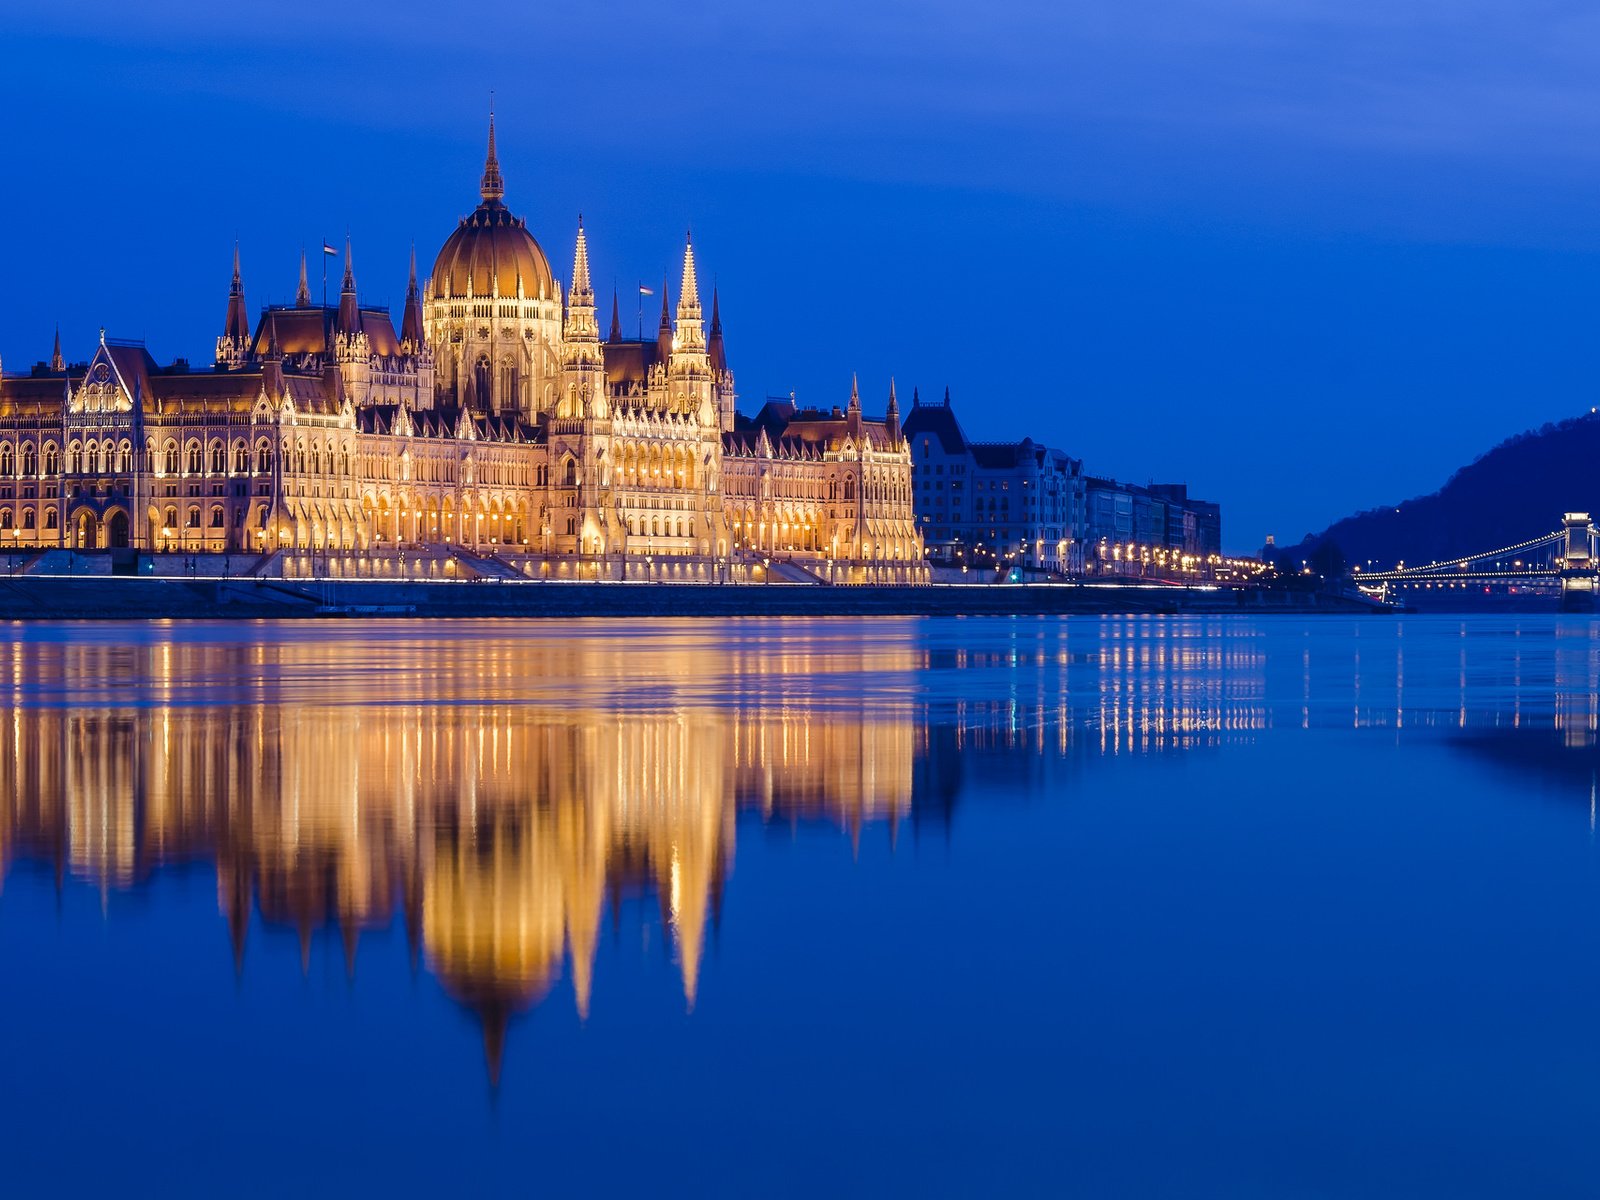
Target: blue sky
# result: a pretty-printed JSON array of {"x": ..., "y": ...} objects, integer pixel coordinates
[{"x": 1307, "y": 256}]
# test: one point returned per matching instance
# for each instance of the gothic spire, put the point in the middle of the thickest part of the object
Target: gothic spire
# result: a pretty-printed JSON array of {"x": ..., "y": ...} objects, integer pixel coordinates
[
  {"x": 664, "y": 330},
  {"x": 237, "y": 327},
  {"x": 892, "y": 417},
  {"x": 302, "y": 297},
  {"x": 689, "y": 288},
  {"x": 581, "y": 326},
  {"x": 616, "y": 319},
  {"x": 580, "y": 268},
  {"x": 57, "y": 363},
  {"x": 719, "y": 356},
  {"x": 855, "y": 394},
  {"x": 411, "y": 322},
  {"x": 493, "y": 186},
  {"x": 349, "y": 311}
]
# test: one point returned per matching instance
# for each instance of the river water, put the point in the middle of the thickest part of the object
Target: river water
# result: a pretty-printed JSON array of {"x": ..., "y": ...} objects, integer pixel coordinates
[{"x": 1156, "y": 906}]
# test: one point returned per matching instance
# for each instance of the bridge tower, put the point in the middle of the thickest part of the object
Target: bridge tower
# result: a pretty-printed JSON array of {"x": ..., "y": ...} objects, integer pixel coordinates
[{"x": 1578, "y": 570}]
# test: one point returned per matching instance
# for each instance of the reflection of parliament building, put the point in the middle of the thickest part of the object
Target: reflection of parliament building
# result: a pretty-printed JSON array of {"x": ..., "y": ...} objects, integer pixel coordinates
[
  {"x": 505, "y": 834},
  {"x": 495, "y": 418},
  {"x": 501, "y": 835}
]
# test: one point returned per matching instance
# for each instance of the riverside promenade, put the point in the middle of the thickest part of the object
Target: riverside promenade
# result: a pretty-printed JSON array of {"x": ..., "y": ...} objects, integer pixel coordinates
[{"x": 51, "y": 597}]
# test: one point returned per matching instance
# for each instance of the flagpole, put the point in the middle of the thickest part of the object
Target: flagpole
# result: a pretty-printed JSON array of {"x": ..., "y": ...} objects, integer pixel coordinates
[{"x": 641, "y": 310}]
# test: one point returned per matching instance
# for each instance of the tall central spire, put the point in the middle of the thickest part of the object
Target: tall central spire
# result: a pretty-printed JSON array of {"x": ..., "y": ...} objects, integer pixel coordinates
[{"x": 493, "y": 187}]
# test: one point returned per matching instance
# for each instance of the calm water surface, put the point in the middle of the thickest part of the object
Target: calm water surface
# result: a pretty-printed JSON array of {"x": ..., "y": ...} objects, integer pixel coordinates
[{"x": 1160, "y": 906}]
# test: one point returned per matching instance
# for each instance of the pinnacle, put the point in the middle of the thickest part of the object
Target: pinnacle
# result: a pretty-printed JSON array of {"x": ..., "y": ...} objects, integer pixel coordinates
[
  {"x": 493, "y": 186},
  {"x": 580, "y": 264},
  {"x": 689, "y": 289}
]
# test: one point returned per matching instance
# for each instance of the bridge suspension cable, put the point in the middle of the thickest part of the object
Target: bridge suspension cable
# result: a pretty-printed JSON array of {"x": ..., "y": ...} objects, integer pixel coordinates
[{"x": 1547, "y": 540}]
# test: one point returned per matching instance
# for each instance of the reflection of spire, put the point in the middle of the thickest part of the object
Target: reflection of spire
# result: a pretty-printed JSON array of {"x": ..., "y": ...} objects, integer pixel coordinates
[
  {"x": 495, "y": 1021},
  {"x": 352, "y": 939}
]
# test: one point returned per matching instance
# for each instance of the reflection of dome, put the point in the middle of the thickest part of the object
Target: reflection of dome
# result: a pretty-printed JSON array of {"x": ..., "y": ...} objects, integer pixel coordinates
[{"x": 491, "y": 253}]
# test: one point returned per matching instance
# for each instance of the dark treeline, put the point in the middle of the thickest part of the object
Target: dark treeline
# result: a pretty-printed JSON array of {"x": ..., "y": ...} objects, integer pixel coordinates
[{"x": 1515, "y": 492}]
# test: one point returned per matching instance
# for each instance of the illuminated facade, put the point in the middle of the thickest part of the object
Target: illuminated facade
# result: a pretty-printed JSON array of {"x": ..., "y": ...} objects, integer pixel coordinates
[{"x": 495, "y": 420}]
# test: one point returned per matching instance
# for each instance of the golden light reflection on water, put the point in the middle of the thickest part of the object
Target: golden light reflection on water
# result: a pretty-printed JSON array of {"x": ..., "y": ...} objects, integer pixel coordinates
[{"x": 500, "y": 793}]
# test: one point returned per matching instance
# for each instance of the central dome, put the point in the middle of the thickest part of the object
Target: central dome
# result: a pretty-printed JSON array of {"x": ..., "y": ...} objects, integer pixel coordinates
[{"x": 491, "y": 253}]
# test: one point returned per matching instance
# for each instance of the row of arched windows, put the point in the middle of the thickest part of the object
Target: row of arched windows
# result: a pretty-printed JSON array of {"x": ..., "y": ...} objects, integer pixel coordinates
[{"x": 25, "y": 521}]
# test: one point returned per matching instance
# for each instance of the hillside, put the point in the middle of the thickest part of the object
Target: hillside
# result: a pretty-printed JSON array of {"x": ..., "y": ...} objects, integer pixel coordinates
[{"x": 1516, "y": 491}]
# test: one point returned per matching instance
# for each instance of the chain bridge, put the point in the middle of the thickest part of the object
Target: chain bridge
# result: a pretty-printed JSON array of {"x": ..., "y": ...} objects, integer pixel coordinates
[{"x": 1566, "y": 557}]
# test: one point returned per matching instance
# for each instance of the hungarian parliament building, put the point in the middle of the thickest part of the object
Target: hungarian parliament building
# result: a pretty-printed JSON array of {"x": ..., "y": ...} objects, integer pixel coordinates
[{"x": 495, "y": 421}]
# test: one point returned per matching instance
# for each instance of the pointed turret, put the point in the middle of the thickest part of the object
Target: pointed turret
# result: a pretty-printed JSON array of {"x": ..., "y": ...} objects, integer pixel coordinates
[
  {"x": 493, "y": 187},
  {"x": 664, "y": 330},
  {"x": 238, "y": 325},
  {"x": 411, "y": 331},
  {"x": 689, "y": 287},
  {"x": 580, "y": 267},
  {"x": 349, "y": 310},
  {"x": 691, "y": 333},
  {"x": 302, "y": 295},
  {"x": 616, "y": 319},
  {"x": 583, "y": 372},
  {"x": 719, "y": 358},
  {"x": 892, "y": 417},
  {"x": 855, "y": 394},
  {"x": 57, "y": 363}
]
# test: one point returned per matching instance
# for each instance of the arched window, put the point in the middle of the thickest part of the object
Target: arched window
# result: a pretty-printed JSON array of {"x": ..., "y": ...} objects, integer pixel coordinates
[
  {"x": 27, "y": 518},
  {"x": 241, "y": 458},
  {"x": 569, "y": 468},
  {"x": 125, "y": 457},
  {"x": 8, "y": 462},
  {"x": 263, "y": 457},
  {"x": 170, "y": 522},
  {"x": 30, "y": 462},
  {"x": 216, "y": 516},
  {"x": 194, "y": 459},
  {"x": 49, "y": 518},
  {"x": 74, "y": 459},
  {"x": 193, "y": 519},
  {"x": 52, "y": 459},
  {"x": 172, "y": 458},
  {"x": 5, "y": 519},
  {"x": 218, "y": 460}
]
